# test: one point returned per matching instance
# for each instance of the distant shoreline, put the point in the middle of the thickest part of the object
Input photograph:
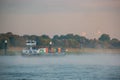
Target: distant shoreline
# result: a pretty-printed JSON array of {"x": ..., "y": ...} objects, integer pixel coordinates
[
  {"x": 93, "y": 50},
  {"x": 17, "y": 50}
]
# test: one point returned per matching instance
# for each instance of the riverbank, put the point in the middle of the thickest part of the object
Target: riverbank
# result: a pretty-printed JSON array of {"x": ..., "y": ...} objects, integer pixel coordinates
[
  {"x": 12, "y": 51},
  {"x": 92, "y": 50},
  {"x": 17, "y": 51}
]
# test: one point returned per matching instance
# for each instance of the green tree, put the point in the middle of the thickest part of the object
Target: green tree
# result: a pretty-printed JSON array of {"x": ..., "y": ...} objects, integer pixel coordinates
[
  {"x": 104, "y": 37},
  {"x": 115, "y": 43},
  {"x": 44, "y": 40}
]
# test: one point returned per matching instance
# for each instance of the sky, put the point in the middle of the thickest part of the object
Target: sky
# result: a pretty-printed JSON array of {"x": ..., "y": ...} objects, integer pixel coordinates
[{"x": 89, "y": 18}]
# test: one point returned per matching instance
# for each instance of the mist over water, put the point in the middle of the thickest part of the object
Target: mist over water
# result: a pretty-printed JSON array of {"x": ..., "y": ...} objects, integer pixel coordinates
[
  {"x": 70, "y": 67},
  {"x": 82, "y": 59}
]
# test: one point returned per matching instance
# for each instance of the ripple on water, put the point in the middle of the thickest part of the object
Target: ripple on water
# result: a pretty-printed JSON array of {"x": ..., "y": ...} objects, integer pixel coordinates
[{"x": 61, "y": 68}]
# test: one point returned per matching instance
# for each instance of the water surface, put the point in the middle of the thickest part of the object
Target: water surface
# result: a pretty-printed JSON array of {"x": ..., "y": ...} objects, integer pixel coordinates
[{"x": 69, "y": 67}]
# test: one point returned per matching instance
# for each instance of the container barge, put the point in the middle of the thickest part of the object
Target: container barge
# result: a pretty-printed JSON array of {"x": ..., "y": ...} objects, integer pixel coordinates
[{"x": 31, "y": 50}]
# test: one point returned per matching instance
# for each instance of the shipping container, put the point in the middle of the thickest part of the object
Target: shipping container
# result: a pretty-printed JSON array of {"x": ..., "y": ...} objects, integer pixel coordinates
[{"x": 59, "y": 50}]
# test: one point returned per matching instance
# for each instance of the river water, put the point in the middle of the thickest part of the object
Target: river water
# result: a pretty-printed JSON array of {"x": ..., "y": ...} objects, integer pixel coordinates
[{"x": 69, "y": 67}]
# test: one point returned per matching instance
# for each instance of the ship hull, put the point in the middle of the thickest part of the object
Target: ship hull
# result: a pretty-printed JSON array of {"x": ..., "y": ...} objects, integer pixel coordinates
[{"x": 44, "y": 54}]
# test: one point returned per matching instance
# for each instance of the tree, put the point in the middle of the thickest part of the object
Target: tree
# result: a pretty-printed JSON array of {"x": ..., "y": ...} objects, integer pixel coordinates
[
  {"x": 104, "y": 37},
  {"x": 65, "y": 41},
  {"x": 44, "y": 40},
  {"x": 55, "y": 37},
  {"x": 115, "y": 43}
]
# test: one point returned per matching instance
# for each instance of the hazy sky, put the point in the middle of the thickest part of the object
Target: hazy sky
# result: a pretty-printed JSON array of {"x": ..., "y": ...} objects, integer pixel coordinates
[{"x": 89, "y": 18}]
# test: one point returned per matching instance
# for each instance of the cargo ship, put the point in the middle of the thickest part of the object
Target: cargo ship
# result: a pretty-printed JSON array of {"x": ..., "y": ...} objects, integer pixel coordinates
[{"x": 32, "y": 50}]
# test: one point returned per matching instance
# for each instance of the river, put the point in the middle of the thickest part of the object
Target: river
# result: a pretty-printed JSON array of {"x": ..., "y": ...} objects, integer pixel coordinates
[{"x": 69, "y": 67}]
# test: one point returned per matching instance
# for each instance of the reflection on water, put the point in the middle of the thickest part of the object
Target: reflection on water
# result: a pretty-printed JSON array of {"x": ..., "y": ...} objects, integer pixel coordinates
[{"x": 69, "y": 67}]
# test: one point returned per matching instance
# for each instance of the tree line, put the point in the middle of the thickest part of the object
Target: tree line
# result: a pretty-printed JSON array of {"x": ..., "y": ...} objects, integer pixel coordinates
[{"x": 64, "y": 41}]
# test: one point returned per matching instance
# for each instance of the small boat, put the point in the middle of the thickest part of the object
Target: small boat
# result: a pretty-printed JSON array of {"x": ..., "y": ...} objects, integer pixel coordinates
[{"x": 32, "y": 50}]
